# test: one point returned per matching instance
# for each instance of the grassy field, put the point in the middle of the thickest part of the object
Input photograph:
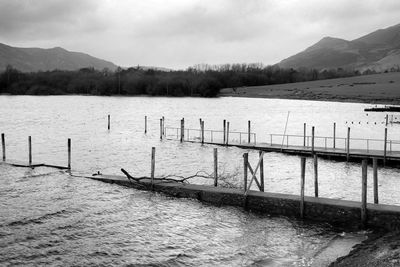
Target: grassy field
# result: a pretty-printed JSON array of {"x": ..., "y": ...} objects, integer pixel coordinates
[{"x": 377, "y": 88}]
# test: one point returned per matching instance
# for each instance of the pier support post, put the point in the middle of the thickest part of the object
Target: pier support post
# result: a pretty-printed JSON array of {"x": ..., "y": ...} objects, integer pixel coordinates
[
  {"x": 348, "y": 144},
  {"x": 334, "y": 135},
  {"x": 224, "y": 127},
  {"x": 215, "y": 167},
  {"x": 227, "y": 133},
  {"x": 108, "y": 126},
  {"x": 375, "y": 173},
  {"x": 153, "y": 163},
  {"x": 305, "y": 134},
  {"x": 249, "y": 131},
  {"x": 30, "y": 150},
  {"x": 145, "y": 124},
  {"x": 312, "y": 139},
  {"x": 385, "y": 148},
  {"x": 386, "y": 119},
  {"x": 3, "y": 145},
  {"x": 69, "y": 153},
  {"x": 182, "y": 129},
  {"x": 364, "y": 192},
  {"x": 261, "y": 171},
  {"x": 302, "y": 182},
  {"x": 316, "y": 175},
  {"x": 245, "y": 163}
]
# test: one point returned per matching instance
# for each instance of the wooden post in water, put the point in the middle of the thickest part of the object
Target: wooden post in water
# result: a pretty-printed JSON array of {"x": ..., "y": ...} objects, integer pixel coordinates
[
  {"x": 161, "y": 129},
  {"x": 364, "y": 192},
  {"x": 227, "y": 133},
  {"x": 30, "y": 149},
  {"x": 69, "y": 153},
  {"x": 202, "y": 132},
  {"x": 316, "y": 175},
  {"x": 108, "y": 127},
  {"x": 302, "y": 182},
  {"x": 153, "y": 163},
  {"x": 145, "y": 124},
  {"x": 3, "y": 145},
  {"x": 386, "y": 119},
  {"x": 215, "y": 167},
  {"x": 305, "y": 134},
  {"x": 334, "y": 135},
  {"x": 224, "y": 132},
  {"x": 163, "y": 126},
  {"x": 312, "y": 139},
  {"x": 182, "y": 129},
  {"x": 249, "y": 131},
  {"x": 245, "y": 162},
  {"x": 261, "y": 171},
  {"x": 348, "y": 144},
  {"x": 385, "y": 148},
  {"x": 375, "y": 167}
]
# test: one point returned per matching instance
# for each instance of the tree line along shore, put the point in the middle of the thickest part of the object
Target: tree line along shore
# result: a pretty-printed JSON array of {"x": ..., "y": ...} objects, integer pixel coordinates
[{"x": 200, "y": 80}]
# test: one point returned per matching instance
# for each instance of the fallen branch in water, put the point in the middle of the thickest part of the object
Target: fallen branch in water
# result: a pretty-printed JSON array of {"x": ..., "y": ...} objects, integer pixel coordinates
[{"x": 183, "y": 179}]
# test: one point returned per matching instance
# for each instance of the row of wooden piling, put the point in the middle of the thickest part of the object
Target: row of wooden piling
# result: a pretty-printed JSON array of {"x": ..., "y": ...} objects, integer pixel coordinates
[{"x": 30, "y": 154}]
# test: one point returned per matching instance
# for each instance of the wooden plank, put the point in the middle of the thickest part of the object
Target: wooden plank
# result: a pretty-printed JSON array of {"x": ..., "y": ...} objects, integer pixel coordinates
[
  {"x": 334, "y": 135},
  {"x": 30, "y": 149},
  {"x": 153, "y": 164},
  {"x": 255, "y": 177},
  {"x": 315, "y": 175},
  {"x": 254, "y": 174},
  {"x": 261, "y": 171},
  {"x": 249, "y": 131},
  {"x": 385, "y": 148}
]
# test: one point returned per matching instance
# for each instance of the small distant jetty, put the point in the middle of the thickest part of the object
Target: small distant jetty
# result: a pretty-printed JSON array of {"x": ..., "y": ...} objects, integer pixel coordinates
[{"x": 383, "y": 109}]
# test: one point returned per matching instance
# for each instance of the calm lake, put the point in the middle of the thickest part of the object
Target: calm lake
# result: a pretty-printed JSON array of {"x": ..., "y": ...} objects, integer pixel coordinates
[{"x": 48, "y": 217}]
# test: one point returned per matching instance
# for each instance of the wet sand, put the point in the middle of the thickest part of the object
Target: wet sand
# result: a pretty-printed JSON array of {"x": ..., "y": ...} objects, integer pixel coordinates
[{"x": 375, "y": 89}]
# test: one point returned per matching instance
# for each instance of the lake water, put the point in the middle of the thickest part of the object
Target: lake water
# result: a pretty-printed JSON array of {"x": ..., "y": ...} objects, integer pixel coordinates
[{"x": 48, "y": 217}]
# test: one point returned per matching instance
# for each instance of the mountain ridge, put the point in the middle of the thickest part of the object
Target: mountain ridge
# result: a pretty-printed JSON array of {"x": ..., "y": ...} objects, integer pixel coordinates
[
  {"x": 46, "y": 59},
  {"x": 377, "y": 51}
]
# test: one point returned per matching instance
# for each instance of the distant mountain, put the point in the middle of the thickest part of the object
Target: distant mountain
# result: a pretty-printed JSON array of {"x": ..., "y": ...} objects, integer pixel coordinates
[
  {"x": 35, "y": 59},
  {"x": 379, "y": 51}
]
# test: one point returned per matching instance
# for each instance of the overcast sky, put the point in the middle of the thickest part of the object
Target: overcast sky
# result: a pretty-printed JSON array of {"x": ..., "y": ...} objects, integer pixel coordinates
[{"x": 181, "y": 33}]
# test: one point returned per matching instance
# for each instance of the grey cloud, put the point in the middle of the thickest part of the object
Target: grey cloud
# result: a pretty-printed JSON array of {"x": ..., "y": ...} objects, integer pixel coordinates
[{"x": 46, "y": 18}]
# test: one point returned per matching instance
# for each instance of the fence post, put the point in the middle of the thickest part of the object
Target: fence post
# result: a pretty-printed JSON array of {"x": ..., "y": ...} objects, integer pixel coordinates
[
  {"x": 364, "y": 192},
  {"x": 316, "y": 175},
  {"x": 245, "y": 162},
  {"x": 305, "y": 134},
  {"x": 153, "y": 163},
  {"x": 385, "y": 148},
  {"x": 302, "y": 182},
  {"x": 69, "y": 153},
  {"x": 249, "y": 130},
  {"x": 215, "y": 167},
  {"x": 375, "y": 167},
  {"x": 227, "y": 133},
  {"x": 30, "y": 150},
  {"x": 312, "y": 139},
  {"x": 224, "y": 132},
  {"x": 348, "y": 144},
  {"x": 108, "y": 126},
  {"x": 3, "y": 145},
  {"x": 145, "y": 124},
  {"x": 334, "y": 135},
  {"x": 261, "y": 171}
]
